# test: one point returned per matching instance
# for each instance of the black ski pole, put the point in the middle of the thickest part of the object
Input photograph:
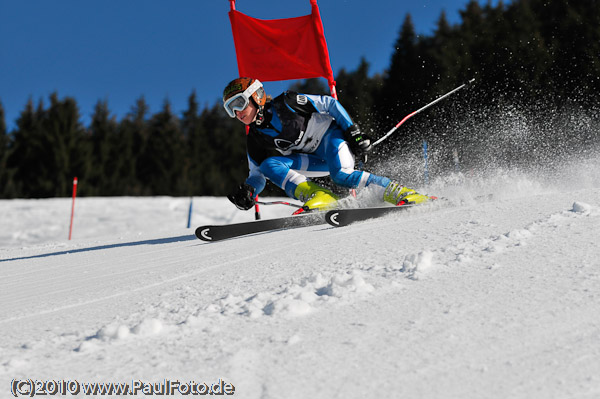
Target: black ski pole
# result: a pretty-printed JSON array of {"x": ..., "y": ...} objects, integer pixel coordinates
[{"x": 421, "y": 109}]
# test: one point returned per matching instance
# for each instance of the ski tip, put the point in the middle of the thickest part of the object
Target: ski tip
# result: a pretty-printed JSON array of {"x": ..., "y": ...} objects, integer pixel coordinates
[
  {"x": 331, "y": 217},
  {"x": 203, "y": 233}
]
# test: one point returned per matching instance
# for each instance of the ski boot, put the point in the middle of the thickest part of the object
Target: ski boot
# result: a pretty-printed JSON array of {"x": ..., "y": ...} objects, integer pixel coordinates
[
  {"x": 399, "y": 195},
  {"x": 315, "y": 197}
]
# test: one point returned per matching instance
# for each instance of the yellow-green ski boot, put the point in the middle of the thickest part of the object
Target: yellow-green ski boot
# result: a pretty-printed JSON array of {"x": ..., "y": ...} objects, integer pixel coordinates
[
  {"x": 315, "y": 197},
  {"x": 399, "y": 195}
]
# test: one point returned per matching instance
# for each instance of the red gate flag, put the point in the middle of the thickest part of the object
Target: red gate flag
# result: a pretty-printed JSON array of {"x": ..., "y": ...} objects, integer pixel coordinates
[{"x": 281, "y": 49}]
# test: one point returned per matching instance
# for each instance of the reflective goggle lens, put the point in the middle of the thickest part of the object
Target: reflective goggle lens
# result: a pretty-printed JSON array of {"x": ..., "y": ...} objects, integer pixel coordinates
[{"x": 239, "y": 102}]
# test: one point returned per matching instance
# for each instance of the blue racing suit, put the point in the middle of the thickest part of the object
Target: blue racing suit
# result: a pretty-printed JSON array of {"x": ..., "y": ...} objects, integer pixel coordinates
[{"x": 299, "y": 136}]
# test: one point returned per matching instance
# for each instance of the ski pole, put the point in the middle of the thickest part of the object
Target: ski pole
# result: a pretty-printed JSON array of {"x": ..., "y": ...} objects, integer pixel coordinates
[
  {"x": 256, "y": 209},
  {"x": 421, "y": 109},
  {"x": 279, "y": 203}
]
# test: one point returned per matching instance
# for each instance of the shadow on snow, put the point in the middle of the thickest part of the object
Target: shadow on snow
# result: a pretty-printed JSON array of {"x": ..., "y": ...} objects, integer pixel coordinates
[{"x": 109, "y": 246}]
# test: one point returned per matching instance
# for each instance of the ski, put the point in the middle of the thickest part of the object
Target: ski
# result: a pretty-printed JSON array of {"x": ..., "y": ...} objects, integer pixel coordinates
[
  {"x": 213, "y": 233},
  {"x": 336, "y": 218},
  {"x": 344, "y": 217}
]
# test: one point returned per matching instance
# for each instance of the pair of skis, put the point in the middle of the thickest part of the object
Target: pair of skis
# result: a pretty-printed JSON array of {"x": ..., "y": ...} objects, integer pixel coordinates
[{"x": 336, "y": 218}]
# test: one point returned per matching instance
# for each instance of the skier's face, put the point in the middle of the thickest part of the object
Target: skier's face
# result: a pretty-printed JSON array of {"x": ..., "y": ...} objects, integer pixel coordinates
[{"x": 248, "y": 114}]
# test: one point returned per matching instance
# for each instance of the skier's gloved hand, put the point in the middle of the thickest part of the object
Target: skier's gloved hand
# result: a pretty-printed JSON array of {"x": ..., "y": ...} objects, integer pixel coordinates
[
  {"x": 243, "y": 197},
  {"x": 359, "y": 142}
]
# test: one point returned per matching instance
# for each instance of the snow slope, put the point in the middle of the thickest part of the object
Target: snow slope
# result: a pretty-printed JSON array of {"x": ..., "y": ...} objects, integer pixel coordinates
[{"x": 493, "y": 299}]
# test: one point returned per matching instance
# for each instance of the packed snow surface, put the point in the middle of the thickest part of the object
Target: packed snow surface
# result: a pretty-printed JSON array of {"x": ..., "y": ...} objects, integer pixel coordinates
[{"x": 493, "y": 297}]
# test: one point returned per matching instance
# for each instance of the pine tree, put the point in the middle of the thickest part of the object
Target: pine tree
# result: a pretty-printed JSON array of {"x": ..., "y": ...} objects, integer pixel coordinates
[
  {"x": 357, "y": 93},
  {"x": 401, "y": 85},
  {"x": 103, "y": 135},
  {"x": 6, "y": 184},
  {"x": 572, "y": 33},
  {"x": 470, "y": 37},
  {"x": 198, "y": 153},
  {"x": 4, "y": 141},
  {"x": 29, "y": 152},
  {"x": 160, "y": 164},
  {"x": 68, "y": 149},
  {"x": 527, "y": 59},
  {"x": 226, "y": 140},
  {"x": 2, "y": 122},
  {"x": 444, "y": 54},
  {"x": 133, "y": 136}
]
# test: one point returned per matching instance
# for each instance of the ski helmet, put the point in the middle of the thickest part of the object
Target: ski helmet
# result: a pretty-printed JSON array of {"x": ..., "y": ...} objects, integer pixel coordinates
[{"x": 238, "y": 93}]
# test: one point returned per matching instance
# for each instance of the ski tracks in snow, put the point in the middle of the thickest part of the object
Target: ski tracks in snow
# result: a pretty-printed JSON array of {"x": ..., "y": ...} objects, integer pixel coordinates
[
  {"x": 488, "y": 250},
  {"x": 338, "y": 276},
  {"x": 347, "y": 280}
]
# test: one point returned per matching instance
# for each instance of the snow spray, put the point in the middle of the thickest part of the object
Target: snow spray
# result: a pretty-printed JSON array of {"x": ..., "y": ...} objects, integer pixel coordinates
[{"x": 426, "y": 162}]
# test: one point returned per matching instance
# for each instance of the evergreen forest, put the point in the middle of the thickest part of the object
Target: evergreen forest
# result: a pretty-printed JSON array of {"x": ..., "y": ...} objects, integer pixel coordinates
[{"x": 536, "y": 96}]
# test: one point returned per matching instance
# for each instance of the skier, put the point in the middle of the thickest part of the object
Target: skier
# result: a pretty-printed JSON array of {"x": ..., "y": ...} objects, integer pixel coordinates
[{"x": 313, "y": 136}]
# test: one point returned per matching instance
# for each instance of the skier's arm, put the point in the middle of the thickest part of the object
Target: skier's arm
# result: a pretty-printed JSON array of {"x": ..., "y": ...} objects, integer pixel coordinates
[
  {"x": 244, "y": 195},
  {"x": 331, "y": 106},
  {"x": 255, "y": 178},
  {"x": 360, "y": 143}
]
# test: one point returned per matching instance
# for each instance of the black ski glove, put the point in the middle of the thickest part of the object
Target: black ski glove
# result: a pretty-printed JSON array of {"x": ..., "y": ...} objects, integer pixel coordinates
[
  {"x": 359, "y": 143},
  {"x": 243, "y": 197}
]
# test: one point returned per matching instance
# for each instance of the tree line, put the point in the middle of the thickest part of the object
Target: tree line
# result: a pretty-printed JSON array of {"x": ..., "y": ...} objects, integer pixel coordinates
[{"x": 536, "y": 64}]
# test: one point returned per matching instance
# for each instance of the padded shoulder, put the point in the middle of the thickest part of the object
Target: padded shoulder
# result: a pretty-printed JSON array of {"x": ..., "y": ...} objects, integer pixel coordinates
[{"x": 299, "y": 103}]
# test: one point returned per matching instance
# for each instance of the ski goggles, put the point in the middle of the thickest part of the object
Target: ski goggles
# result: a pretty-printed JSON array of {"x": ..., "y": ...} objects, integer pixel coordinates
[{"x": 240, "y": 101}]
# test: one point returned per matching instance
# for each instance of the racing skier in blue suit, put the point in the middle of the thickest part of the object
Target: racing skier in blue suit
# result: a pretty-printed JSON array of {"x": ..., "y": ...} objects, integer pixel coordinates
[{"x": 296, "y": 136}]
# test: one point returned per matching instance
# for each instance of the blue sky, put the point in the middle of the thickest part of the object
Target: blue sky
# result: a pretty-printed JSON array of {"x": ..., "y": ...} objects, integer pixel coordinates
[{"x": 120, "y": 50}]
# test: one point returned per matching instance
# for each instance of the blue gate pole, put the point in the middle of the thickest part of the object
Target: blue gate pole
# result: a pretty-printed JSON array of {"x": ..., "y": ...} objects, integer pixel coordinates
[{"x": 189, "y": 223}]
